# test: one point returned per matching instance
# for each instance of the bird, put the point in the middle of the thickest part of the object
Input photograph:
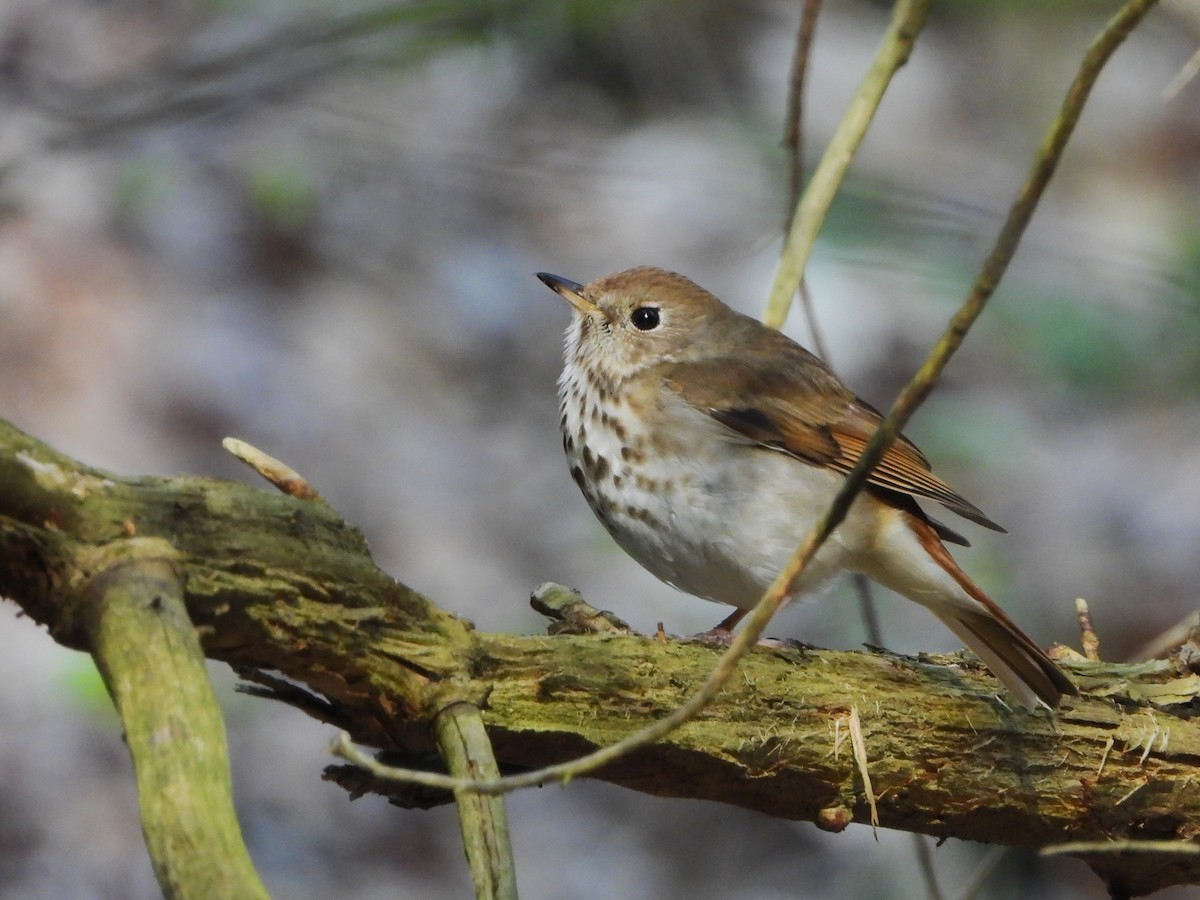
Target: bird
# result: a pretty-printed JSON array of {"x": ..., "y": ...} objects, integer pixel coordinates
[{"x": 709, "y": 444}]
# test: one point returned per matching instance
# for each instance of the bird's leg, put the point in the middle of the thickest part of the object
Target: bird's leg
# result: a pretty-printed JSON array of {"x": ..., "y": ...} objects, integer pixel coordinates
[{"x": 722, "y": 633}]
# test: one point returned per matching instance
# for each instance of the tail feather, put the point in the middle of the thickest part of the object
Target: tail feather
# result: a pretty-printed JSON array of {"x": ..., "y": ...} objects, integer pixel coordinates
[{"x": 1020, "y": 664}]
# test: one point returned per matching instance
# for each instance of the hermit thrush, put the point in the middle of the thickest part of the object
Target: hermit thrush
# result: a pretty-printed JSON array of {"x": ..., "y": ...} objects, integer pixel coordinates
[{"x": 708, "y": 445}]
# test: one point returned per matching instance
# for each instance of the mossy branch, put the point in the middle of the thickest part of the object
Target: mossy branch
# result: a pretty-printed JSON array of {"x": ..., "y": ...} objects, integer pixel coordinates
[
  {"x": 131, "y": 601},
  {"x": 463, "y": 742},
  {"x": 278, "y": 584}
]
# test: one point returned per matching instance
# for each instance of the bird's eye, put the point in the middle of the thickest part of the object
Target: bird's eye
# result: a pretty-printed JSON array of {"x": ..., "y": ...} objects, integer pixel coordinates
[{"x": 645, "y": 318}]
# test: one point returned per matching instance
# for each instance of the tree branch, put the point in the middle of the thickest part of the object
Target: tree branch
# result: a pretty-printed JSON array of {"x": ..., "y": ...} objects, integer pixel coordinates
[
  {"x": 464, "y": 744},
  {"x": 276, "y": 584},
  {"x": 146, "y": 649}
]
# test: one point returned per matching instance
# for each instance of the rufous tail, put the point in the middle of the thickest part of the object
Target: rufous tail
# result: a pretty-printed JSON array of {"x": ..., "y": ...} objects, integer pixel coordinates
[
  {"x": 1021, "y": 666},
  {"x": 1012, "y": 656}
]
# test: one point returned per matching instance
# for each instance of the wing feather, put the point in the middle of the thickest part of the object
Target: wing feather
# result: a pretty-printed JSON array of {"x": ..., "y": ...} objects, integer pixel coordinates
[{"x": 802, "y": 409}]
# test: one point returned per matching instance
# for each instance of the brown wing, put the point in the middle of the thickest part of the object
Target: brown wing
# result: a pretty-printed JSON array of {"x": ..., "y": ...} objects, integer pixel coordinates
[
  {"x": 903, "y": 468},
  {"x": 800, "y": 408}
]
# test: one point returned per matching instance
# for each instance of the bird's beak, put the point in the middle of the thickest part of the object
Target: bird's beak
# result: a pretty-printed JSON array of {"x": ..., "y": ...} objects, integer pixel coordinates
[{"x": 571, "y": 292}]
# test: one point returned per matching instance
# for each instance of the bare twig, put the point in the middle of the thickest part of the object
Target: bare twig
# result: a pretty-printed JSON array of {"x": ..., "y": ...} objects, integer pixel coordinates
[
  {"x": 866, "y": 608},
  {"x": 920, "y": 845},
  {"x": 794, "y": 140},
  {"x": 1177, "y": 635},
  {"x": 283, "y": 476},
  {"x": 908, "y": 18},
  {"x": 1182, "y": 77},
  {"x": 341, "y": 746},
  {"x": 794, "y": 128},
  {"x": 982, "y": 872},
  {"x": 810, "y": 319}
]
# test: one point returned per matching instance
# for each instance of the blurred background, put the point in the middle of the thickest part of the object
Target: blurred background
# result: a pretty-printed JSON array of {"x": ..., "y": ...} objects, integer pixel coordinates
[{"x": 313, "y": 225}]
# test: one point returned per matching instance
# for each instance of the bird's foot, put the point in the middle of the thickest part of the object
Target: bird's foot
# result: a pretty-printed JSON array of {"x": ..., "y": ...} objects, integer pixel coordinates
[
  {"x": 721, "y": 637},
  {"x": 714, "y": 637}
]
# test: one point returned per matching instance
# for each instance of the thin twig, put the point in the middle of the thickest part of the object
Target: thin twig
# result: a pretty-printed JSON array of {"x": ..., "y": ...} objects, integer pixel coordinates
[
  {"x": 794, "y": 140},
  {"x": 794, "y": 128},
  {"x": 280, "y": 474},
  {"x": 1182, "y": 77},
  {"x": 810, "y": 319},
  {"x": 982, "y": 872},
  {"x": 1128, "y": 845},
  {"x": 908, "y": 18},
  {"x": 928, "y": 870},
  {"x": 1115, "y": 31},
  {"x": 866, "y": 608},
  {"x": 1173, "y": 638}
]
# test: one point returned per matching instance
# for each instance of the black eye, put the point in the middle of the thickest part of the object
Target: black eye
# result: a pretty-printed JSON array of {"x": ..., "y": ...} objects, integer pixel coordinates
[{"x": 645, "y": 318}]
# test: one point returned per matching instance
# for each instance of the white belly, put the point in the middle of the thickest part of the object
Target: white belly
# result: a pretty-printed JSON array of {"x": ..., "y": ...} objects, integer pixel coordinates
[{"x": 718, "y": 522}]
